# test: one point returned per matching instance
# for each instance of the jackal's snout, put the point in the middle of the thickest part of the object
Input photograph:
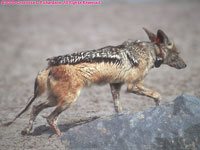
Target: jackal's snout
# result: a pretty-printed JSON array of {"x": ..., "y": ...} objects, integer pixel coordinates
[
  {"x": 180, "y": 64},
  {"x": 177, "y": 62}
]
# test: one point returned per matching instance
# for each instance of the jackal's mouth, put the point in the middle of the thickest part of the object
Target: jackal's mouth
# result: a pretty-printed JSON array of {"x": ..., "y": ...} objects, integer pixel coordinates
[{"x": 179, "y": 65}]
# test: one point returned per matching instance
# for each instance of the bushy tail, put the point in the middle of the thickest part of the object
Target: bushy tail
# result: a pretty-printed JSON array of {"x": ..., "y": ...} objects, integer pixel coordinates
[{"x": 39, "y": 89}]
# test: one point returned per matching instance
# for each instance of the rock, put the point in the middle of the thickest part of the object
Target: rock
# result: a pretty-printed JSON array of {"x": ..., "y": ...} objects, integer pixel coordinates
[{"x": 173, "y": 126}]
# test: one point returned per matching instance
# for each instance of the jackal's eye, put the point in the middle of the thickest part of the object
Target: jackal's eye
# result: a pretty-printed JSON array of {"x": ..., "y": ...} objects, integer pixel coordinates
[{"x": 169, "y": 44}]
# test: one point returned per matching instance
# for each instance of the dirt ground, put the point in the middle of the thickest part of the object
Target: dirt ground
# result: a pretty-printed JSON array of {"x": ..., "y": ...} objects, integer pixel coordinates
[{"x": 29, "y": 35}]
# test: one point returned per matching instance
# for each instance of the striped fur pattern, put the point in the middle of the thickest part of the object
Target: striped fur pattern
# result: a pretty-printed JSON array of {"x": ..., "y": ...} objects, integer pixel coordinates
[{"x": 109, "y": 54}]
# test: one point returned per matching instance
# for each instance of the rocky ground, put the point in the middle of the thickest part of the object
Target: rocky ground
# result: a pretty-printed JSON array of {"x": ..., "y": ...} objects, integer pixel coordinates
[{"x": 30, "y": 34}]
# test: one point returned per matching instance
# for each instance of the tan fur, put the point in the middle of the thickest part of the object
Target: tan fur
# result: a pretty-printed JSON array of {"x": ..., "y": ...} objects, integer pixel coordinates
[{"x": 42, "y": 81}]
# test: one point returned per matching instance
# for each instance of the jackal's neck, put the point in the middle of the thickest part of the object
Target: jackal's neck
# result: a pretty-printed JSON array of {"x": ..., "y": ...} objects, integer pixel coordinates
[
  {"x": 159, "y": 56},
  {"x": 148, "y": 51},
  {"x": 144, "y": 51},
  {"x": 152, "y": 55}
]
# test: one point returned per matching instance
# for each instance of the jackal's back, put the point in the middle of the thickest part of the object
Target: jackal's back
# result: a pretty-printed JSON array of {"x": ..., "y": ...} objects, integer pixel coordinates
[{"x": 109, "y": 54}]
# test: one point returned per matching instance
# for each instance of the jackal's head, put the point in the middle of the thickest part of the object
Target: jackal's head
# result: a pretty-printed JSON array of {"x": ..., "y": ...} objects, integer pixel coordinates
[{"x": 166, "y": 51}]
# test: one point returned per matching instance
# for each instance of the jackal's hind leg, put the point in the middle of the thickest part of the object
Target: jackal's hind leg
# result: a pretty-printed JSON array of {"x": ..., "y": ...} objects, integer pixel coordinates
[
  {"x": 65, "y": 97},
  {"x": 52, "y": 118},
  {"x": 115, "y": 89},
  {"x": 140, "y": 90},
  {"x": 35, "y": 111}
]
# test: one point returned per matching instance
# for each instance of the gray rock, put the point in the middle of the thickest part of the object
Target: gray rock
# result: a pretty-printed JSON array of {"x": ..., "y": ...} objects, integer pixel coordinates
[{"x": 173, "y": 126}]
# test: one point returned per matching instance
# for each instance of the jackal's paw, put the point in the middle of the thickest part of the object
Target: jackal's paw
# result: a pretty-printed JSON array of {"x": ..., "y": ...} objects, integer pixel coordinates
[
  {"x": 120, "y": 113},
  {"x": 157, "y": 102},
  {"x": 157, "y": 99},
  {"x": 26, "y": 131}
]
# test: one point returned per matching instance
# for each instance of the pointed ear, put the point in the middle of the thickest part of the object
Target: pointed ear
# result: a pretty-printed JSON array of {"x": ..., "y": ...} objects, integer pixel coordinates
[
  {"x": 151, "y": 35},
  {"x": 162, "y": 37}
]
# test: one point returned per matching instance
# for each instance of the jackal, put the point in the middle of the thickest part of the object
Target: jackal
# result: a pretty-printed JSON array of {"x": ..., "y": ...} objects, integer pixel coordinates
[{"x": 127, "y": 63}]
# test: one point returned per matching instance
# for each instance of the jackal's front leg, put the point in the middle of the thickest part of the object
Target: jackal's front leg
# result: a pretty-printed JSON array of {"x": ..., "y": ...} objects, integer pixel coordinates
[
  {"x": 115, "y": 89},
  {"x": 140, "y": 90}
]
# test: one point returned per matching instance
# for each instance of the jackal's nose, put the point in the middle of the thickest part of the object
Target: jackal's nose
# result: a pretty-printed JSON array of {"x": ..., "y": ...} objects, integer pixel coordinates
[
  {"x": 181, "y": 65},
  {"x": 184, "y": 65}
]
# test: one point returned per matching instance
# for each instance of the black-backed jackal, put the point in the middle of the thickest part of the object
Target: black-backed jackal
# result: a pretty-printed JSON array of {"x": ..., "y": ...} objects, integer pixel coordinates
[{"x": 127, "y": 63}]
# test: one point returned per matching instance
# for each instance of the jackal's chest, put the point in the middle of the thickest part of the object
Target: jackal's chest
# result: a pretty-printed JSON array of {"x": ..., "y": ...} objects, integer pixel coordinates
[{"x": 137, "y": 74}]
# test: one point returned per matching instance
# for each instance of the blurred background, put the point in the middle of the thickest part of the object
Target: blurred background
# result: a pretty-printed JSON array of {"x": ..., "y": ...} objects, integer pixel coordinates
[{"x": 30, "y": 34}]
